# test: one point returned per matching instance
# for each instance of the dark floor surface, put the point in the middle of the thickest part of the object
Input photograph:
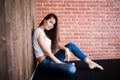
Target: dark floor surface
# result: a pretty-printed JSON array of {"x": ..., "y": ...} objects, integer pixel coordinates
[{"x": 111, "y": 72}]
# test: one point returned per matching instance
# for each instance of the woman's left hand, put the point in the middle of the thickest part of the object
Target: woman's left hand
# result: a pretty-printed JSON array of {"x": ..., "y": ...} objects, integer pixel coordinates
[{"x": 68, "y": 54}]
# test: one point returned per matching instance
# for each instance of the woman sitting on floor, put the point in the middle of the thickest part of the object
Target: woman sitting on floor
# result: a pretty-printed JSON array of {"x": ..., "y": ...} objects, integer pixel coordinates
[{"x": 51, "y": 54}]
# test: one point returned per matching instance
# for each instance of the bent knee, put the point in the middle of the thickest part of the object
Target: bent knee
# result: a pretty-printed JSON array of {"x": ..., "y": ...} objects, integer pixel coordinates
[
  {"x": 71, "y": 69},
  {"x": 70, "y": 44}
]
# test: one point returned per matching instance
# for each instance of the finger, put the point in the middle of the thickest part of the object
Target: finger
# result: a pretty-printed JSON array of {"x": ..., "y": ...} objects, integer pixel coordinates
[{"x": 68, "y": 58}]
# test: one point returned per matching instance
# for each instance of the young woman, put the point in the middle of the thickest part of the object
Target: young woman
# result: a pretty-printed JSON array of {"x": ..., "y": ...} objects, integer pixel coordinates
[{"x": 51, "y": 54}]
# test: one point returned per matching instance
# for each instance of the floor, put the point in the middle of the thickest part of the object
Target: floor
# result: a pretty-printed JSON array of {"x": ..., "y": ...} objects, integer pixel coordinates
[{"x": 111, "y": 72}]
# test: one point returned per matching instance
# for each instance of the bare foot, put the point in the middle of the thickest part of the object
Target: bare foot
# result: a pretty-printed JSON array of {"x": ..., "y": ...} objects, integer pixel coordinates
[{"x": 93, "y": 65}]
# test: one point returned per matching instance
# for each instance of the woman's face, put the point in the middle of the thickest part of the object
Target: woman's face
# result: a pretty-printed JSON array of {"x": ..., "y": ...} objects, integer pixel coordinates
[{"x": 49, "y": 24}]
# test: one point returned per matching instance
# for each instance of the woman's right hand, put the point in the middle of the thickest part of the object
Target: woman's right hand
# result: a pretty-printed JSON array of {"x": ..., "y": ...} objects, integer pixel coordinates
[{"x": 68, "y": 54}]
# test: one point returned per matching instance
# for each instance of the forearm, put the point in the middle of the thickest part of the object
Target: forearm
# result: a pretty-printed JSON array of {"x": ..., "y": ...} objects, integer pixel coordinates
[
  {"x": 67, "y": 52},
  {"x": 51, "y": 56}
]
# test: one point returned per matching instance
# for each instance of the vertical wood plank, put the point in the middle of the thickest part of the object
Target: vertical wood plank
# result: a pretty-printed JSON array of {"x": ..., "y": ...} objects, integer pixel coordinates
[
  {"x": 3, "y": 58},
  {"x": 16, "y": 25}
]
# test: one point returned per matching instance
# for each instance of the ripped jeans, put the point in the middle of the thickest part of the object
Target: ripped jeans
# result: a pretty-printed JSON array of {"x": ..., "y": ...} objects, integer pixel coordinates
[{"x": 65, "y": 69}]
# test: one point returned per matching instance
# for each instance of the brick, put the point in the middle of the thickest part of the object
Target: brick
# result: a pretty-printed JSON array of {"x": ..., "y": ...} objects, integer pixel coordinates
[{"x": 94, "y": 25}]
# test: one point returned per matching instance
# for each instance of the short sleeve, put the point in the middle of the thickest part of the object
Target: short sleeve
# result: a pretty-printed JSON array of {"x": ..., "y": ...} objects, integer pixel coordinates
[{"x": 37, "y": 32}]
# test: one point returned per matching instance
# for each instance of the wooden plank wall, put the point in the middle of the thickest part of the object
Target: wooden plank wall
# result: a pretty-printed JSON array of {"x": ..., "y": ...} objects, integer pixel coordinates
[{"x": 16, "y": 24}]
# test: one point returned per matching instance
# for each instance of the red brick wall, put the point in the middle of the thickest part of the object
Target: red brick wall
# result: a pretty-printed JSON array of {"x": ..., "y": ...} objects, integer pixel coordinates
[{"x": 94, "y": 25}]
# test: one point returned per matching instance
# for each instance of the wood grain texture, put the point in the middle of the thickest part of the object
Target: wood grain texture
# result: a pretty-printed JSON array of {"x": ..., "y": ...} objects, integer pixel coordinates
[{"x": 16, "y": 25}]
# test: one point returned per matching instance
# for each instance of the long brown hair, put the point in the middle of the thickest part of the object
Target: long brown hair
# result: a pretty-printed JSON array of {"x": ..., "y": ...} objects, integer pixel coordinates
[{"x": 53, "y": 33}]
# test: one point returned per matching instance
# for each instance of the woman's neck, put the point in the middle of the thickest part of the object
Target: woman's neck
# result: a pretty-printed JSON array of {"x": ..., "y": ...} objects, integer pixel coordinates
[{"x": 42, "y": 27}]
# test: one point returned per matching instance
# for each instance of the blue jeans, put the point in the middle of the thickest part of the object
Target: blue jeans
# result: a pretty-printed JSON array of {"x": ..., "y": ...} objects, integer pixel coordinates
[{"x": 48, "y": 65}]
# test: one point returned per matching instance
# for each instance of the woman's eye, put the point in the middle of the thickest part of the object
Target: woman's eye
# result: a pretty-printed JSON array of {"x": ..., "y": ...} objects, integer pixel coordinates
[{"x": 50, "y": 21}]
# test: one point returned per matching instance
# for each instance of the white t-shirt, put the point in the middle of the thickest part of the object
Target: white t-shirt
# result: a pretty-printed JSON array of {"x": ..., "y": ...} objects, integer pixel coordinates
[{"x": 38, "y": 50}]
